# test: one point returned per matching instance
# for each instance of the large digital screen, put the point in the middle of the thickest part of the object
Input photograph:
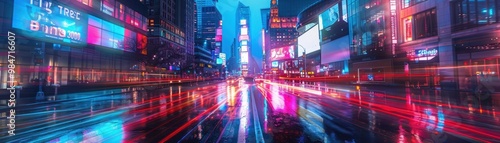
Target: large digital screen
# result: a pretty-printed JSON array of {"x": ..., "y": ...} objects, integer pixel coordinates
[
  {"x": 50, "y": 21},
  {"x": 336, "y": 50},
  {"x": 244, "y": 57},
  {"x": 142, "y": 41},
  {"x": 219, "y": 61},
  {"x": 130, "y": 41},
  {"x": 309, "y": 41},
  {"x": 283, "y": 53},
  {"x": 333, "y": 22},
  {"x": 328, "y": 17},
  {"x": 107, "y": 34},
  {"x": 244, "y": 31},
  {"x": 274, "y": 64}
]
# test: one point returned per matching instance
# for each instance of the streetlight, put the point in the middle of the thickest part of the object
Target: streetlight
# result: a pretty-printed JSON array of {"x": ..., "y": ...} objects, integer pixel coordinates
[{"x": 305, "y": 62}]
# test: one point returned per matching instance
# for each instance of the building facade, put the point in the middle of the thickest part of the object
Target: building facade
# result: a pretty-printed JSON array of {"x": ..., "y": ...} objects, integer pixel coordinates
[
  {"x": 451, "y": 44},
  {"x": 264, "y": 14},
  {"x": 283, "y": 34},
  {"x": 167, "y": 36},
  {"x": 211, "y": 20},
  {"x": 439, "y": 34},
  {"x": 243, "y": 38},
  {"x": 330, "y": 18},
  {"x": 199, "y": 15},
  {"x": 102, "y": 41}
]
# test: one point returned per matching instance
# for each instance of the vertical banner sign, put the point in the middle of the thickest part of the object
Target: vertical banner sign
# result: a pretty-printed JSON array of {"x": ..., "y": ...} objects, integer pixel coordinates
[
  {"x": 49, "y": 21},
  {"x": 394, "y": 35}
]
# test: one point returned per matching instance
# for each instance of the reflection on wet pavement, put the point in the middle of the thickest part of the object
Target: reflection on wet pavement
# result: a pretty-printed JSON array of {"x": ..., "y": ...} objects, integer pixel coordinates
[{"x": 262, "y": 112}]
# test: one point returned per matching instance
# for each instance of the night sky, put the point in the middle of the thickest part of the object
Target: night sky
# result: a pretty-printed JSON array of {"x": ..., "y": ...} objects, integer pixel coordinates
[{"x": 228, "y": 9}]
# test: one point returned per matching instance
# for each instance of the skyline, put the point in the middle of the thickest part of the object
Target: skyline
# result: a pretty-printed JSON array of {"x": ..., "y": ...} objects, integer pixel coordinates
[{"x": 228, "y": 9}]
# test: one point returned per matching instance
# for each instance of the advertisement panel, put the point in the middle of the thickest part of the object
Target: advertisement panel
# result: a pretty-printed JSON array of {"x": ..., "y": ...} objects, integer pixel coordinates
[
  {"x": 333, "y": 22},
  {"x": 107, "y": 34},
  {"x": 50, "y": 21},
  {"x": 223, "y": 57},
  {"x": 274, "y": 64},
  {"x": 219, "y": 61},
  {"x": 282, "y": 53},
  {"x": 329, "y": 17},
  {"x": 422, "y": 54},
  {"x": 244, "y": 57},
  {"x": 336, "y": 50},
  {"x": 309, "y": 41},
  {"x": 142, "y": 41}
]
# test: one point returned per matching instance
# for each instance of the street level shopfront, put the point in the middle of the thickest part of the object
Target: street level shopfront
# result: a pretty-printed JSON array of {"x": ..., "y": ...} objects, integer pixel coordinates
[{"x": 478, "y": 61}]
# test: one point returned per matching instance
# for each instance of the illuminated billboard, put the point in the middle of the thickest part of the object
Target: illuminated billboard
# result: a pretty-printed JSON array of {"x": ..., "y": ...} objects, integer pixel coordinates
[
  {"x": 333, "y": 22},
  {"x": 142, "y": 41},
  {"x": 244, "y": 48},
  {"x": 244, "y": 38},
  {"x": 219, "y": 61},
  {"x": 244, "y": 57},
  {"x": 309, "y": 40},
  {"x": 274, "y": 64},
  {"x": 328, "y": 17},
  {"x": 50, "y": 21},
  {"x": 223, "y": 57},
  {"x": 107, "y": 34},
  {"x": 244, "y": 31},
  {"x": 218, "y": 35},
  {"x": 282, "y": 53},
  {"x": 243, "y": 22},
  {"x": 336, "y": 50}
]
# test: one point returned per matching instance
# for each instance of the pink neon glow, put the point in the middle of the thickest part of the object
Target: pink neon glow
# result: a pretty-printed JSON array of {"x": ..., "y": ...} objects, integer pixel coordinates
[
  {"x": 282, "y": 53},
  {"x": 94, "y": 35}
]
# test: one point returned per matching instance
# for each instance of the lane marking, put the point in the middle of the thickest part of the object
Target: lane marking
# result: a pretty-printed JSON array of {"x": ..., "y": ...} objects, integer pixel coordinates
[
  {"x": 243, "y": 116},
  {"x": 258, "y": 130}
]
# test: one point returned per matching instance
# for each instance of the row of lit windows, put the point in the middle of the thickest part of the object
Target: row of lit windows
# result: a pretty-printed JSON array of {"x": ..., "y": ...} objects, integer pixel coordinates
[
  {"x": 119, "y": 11},
  {"x": 421, "y": 25},
  {"x": 284, "y": 37},
  {"x": 168, "y": 26},
  {"x": 473, "y": 13}
]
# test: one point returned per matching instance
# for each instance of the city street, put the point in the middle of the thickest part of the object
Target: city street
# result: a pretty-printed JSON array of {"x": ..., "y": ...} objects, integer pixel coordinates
[{"x": 265, "y": 111}]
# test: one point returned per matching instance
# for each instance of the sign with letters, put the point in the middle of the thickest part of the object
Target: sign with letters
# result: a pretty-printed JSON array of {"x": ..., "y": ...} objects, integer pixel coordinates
[
  {"x": 422, "y": 54},
  {"x": 50, "y": 21}
]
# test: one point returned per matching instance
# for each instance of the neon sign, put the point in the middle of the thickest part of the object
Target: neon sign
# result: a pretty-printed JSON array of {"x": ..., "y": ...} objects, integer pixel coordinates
[
  {"x": 427, "y": 53},
  {"x": 282, "y": 53},
  {"x": 274, "y": 64},
  {"x": 394, "y": 35},
  {"x": 423, "y": 54},
  {"x": 46, "y": 19}
]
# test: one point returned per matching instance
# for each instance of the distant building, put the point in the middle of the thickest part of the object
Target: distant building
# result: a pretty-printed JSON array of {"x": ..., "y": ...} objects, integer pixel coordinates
[
  {"x": 170, "y": 34},
  {"x": 247, "y": 62},
  {"x": 282, "y": 32},
  {"x": 265, "y": 13},
  {"x": 199, "y": 14},
  {"x": 211, "y": 18}
]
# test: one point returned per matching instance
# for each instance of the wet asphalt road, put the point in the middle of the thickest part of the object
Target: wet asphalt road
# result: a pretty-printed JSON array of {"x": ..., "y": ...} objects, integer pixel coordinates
[{"x": 260, "y": 112}]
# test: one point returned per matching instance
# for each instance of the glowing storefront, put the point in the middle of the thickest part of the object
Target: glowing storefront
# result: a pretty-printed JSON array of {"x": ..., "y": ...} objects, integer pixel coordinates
[{"x": 77, "y": 45}]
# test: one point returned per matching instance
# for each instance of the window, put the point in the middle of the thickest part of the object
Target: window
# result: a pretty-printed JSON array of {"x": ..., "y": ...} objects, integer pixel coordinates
[
  {"x": 473, "y": 13},
  {"x": 408, "y": 29},
  {"x": 424, "y": 24},
  {"x": 408, "y": 3},
  {"x": 105, "y": 33},
  {"x": 120, "y": 11}
]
